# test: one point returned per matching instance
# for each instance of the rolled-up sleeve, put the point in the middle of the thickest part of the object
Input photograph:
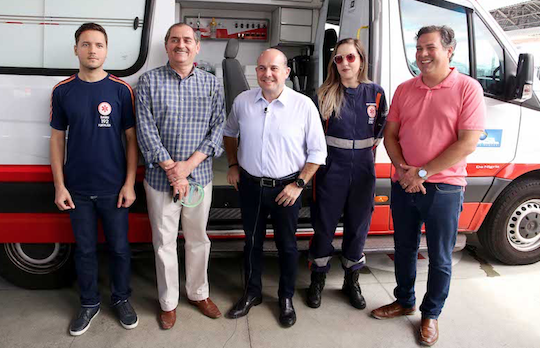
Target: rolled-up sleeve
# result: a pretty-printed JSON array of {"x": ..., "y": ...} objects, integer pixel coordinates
[
  {"x": 232, "y": 127},
  {"x": 148, "y": 137},
  {"x": 211, "y": 144},
  {"x": 315, "y": 140}
]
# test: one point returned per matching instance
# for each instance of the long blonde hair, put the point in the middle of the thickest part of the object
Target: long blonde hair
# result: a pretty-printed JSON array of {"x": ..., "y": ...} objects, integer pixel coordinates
[{"x": 330, "y": 94}]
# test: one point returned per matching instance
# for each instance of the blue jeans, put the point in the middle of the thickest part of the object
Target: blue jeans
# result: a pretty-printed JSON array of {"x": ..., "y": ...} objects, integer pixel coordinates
[
  {"x": 84, "y": 221},
  {"x": 439, "y": 209}
]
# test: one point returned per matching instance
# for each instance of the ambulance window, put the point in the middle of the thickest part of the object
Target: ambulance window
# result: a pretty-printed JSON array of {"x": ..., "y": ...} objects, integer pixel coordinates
[
  {"x": 416, "y": 14},
  {"x": 331, "y": 32},
  {"x": 333, "y": 15},
  {"x": 489, "y": 59},
  {"x": 38, "y": 35}
]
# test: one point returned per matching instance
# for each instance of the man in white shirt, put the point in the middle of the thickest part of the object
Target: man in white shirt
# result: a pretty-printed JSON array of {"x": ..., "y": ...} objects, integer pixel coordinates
[{"x": 282, "y": 145}]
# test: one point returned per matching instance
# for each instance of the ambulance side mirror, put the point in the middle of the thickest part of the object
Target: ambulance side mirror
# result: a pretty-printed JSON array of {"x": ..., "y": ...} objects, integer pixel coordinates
[{"x": 524, "y": 78}]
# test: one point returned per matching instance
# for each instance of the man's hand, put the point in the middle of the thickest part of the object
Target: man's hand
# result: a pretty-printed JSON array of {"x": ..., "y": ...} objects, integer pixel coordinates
[
  {"x": 400, "y": 171},
  {"x": 179, "y": 170},
  {"x": 410, "y": 181},
  {"x": 126, "y": 197},
  {"x": 63, "y": 199},
  {"x": 288, "y": 196},
  {"x": 166, "y": 164},
  {"x": 233, "y": 176},
  {"x": 181, "y": 187}
]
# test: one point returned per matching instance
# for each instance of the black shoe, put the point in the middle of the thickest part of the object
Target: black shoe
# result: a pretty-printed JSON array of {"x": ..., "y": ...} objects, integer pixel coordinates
[
  {"x": 351, "y": 288},
  {"x": 126, "y": 314},
  {"x": 82, "y": 323},
  {"x": 287, "y": 315},
  {"x": 314, "y": 292},
  {"x": 243, "y": 306}
]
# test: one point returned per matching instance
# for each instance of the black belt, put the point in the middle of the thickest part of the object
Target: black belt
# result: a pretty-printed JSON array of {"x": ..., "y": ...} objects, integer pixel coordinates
[{"x": 269, "y": 182}]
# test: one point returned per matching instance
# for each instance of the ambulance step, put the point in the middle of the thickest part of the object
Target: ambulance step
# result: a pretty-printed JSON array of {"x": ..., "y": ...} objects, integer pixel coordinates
[
  {"x": 385, "y": 244},
  {"x": 374, "y": 244}
]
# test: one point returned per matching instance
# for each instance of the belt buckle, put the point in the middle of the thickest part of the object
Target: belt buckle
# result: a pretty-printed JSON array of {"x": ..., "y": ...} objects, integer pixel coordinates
[{"x": 267, "y": 182}]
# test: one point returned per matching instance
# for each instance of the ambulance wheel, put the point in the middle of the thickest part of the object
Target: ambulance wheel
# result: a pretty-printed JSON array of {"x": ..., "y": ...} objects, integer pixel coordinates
[
  {"x": 511, "y": 232},
  {"x": 37, "y": 266}
]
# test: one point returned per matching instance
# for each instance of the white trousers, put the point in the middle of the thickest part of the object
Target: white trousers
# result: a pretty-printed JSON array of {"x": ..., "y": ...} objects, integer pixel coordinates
[{"x": 164, "y": 217}]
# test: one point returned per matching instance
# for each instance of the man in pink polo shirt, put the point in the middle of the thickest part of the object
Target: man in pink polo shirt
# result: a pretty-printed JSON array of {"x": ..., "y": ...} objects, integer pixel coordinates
[{"x": 434, "y": 123}]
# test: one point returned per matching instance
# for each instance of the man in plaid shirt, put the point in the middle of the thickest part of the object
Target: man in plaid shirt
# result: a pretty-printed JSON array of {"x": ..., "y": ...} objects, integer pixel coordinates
[{"x": 180, "y": 115}]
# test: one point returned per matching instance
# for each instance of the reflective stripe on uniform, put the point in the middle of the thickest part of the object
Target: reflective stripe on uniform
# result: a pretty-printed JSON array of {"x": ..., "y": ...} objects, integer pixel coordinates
[
  {"x": 322, "y": 261},
  {"x": 348, "y": 263},
  {"x": 349, "y": 144}
]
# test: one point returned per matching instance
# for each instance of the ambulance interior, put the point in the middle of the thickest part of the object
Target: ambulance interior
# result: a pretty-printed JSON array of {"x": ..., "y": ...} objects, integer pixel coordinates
[{"x": 290, "y": 26}]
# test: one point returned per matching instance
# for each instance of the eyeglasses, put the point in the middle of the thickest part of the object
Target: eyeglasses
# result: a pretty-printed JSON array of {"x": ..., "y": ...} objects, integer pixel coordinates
[{"x": 350, "y": 58}]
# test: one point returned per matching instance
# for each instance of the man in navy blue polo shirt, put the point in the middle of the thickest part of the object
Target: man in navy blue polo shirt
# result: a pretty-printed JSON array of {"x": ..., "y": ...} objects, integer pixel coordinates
[{"x": 98, "y": 177}]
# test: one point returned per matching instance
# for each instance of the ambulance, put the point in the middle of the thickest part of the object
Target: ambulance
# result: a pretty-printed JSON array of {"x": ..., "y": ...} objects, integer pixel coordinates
[{"x": 502, "y": 199}]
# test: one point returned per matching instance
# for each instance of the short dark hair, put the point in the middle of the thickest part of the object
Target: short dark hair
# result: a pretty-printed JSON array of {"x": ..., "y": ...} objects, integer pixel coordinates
[
  {"x": 448, "y": 38},
  {"x": 180, "y": 24},
  {"x": 90, "y": 26}
]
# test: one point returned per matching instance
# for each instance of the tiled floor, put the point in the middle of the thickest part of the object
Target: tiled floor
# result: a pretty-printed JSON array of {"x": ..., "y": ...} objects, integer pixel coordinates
[{"x": 499, "y": 307}]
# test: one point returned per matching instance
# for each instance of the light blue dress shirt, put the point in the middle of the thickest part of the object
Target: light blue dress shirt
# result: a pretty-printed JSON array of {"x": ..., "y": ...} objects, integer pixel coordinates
[{"x": 277, "y": 138}]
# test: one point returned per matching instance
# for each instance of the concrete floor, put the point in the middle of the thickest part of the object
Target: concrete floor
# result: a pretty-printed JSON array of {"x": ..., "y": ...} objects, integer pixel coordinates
[{"x": 490, "y": 305}]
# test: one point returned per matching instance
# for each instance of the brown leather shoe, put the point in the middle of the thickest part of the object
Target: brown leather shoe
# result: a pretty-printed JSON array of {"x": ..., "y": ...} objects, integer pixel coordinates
[
  {"x": 167, "y": 319},
  {"x": 392, "y": 310},
  {"x": 429, "y": 332},
  {"x": 207, "y": 307}
]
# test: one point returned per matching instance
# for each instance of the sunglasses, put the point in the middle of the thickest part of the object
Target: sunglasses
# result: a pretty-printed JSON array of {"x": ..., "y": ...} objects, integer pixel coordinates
[{"x": 339, "y": 58}]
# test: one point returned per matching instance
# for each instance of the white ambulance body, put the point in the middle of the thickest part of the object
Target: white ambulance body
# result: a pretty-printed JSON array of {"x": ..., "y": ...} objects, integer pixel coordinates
[{"x": 502, "y": 200}]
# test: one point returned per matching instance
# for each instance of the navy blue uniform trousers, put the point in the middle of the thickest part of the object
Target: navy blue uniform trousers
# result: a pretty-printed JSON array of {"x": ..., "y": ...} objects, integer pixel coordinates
[{"x": 345, "y": 185}]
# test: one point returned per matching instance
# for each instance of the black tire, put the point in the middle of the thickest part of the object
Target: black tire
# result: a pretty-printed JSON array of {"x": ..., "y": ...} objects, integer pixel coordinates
[
  {"x": 37, "y": 266},
  {"x": 511, "y": 232}
]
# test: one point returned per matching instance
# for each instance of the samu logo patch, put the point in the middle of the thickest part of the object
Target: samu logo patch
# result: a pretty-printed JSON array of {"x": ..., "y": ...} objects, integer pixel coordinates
[
  {"x": 371, "y": 112},
  {"x": 104, "y": 110}
]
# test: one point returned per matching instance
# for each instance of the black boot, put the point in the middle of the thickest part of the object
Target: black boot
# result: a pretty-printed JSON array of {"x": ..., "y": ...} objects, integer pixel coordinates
[
  {"x": 351, "y": 288},
  {"x": 314, "y": 292}
]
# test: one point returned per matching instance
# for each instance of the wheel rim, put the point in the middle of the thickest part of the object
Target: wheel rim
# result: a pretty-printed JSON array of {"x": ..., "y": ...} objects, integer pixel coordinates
[
  {"x": 38, "y": 258},
  {"x": 523, "y": 229}
]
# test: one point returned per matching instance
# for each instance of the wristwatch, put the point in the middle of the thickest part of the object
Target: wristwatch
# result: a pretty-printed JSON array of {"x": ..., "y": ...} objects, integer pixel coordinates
[
  {"x": 300, "y": 183},
  {"x": 422, "y": 173}
]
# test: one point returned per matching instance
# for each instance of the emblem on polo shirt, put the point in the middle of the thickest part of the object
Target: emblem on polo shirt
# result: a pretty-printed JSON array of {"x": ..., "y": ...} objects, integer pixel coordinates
[
  {"x": 371, "y": 112},
  {"x": 104, "y": 110}
]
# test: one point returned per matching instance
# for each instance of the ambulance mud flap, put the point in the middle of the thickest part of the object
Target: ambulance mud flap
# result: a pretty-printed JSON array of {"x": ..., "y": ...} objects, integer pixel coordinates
[{"x": 37, "y": 266}]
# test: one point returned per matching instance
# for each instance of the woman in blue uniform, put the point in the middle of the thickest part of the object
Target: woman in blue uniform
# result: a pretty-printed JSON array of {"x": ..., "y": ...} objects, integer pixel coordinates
[{"x": 353, "y": 110}]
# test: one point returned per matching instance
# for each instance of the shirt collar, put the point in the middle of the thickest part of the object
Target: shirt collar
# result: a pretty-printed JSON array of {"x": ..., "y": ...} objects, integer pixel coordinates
[
  {"x": 353, "y": 91},
  {"x": 283, "y": 97},
  {"x": 446, "y": 83},
  {"x": 174, "y": 73}
]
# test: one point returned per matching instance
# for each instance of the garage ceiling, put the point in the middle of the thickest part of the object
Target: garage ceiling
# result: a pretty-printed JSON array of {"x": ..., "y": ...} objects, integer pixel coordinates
[{"x": 523, "y": 15}]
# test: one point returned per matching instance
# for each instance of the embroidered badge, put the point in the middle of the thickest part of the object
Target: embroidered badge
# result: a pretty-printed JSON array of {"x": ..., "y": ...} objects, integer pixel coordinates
[
  {"x": 371, "y": 112},
  {"x": 104, "y": 110}
]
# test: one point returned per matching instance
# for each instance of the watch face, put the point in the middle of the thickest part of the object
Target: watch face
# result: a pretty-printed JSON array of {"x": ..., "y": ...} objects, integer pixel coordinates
[
  {"x": 422, "y": 173},
  {"x": 300, "y": 183}
]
